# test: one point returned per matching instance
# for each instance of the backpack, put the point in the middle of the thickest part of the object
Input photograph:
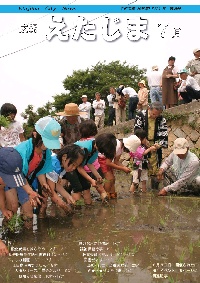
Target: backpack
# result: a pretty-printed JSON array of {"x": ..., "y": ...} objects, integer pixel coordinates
[{"x": 122, "y": 102}]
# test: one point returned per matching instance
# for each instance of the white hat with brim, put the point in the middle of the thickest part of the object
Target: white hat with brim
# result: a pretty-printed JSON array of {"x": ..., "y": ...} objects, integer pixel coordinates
[
  {"x": 196, "y": 50},
  {"x": 132, "y": 143},
  {"x": 181, "y": 146}
]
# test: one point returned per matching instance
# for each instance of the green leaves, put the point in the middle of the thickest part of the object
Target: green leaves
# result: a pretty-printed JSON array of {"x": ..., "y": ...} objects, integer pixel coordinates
[{"x": 4, "y": 121}]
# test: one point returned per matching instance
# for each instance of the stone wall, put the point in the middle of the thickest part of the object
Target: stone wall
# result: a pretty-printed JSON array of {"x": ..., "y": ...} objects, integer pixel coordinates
[{"x": 184, "y": 122}]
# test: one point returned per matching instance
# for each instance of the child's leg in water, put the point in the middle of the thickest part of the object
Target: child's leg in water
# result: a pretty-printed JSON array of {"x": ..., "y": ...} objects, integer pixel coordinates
[
  {"x": 144, "y": 186},
  {"x": 135, "y": 181},
  {"x": 100, "y": 189},
  {"x": 87, "y": 197},
  {"x": 110, "y": 184}
]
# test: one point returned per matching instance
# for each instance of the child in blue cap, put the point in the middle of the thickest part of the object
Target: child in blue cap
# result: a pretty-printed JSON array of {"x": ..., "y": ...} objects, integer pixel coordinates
[
  {"x": 11, "y": 175},
  {"x": 36, "y": 156}
]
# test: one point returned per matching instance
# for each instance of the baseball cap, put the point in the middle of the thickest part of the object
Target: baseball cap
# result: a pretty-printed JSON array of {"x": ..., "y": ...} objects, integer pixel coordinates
[
  {"x": 183, "y": 71},
  {"x": 11, "y": 165},
  {"x": 180, "y": 146},
  {"x": 84, "y": 96},
  {"x": 196, "y": 50},
  {"x": 50, "y": 130},
  {"x": 132, "y": 143}
]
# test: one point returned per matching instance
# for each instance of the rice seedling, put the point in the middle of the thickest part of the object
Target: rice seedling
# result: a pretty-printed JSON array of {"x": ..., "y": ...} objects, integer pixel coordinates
[{"x": 51, "y": 233}]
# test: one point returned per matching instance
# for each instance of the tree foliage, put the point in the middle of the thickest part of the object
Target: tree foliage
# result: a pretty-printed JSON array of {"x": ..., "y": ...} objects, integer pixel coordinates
[
  {"x": 32, "y": 117},
  {"x": 99, "y": 78}
]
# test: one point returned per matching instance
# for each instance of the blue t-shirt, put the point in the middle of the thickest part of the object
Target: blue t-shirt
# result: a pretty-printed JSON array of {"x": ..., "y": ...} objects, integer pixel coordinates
[
  {"x": 56, "y": 164},
  {"x": 88, "y": 144}
]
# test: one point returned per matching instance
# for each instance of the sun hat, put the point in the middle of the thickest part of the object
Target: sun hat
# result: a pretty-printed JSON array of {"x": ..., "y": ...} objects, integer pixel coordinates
[
  {"x": 183, "y": 71},
  {"x": 196, "y": 50},
  {"x": 11, "y": 165},
  {"x": 154, "y": 67},
  {"x": 142, "y": 82},
  {"x": 132, "y": 143},
  {"x": 180, "y": 146},
  {"x": 50, "y": 130},
  {"x": 71, "y": 109},
  {"x": 84, "y": 96}
]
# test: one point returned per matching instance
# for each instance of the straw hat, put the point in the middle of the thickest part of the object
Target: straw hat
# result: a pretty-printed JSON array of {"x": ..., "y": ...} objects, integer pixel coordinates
[
  {"x": 142, "y": 82},
  {"x": 71, "y": 109}
]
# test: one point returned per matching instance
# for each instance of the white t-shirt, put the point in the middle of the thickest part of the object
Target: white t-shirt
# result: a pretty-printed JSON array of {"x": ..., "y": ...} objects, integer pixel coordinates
[
  {"x": 130, "y": 91},
  {"x": 9, "y": 137},
  {"x": 190, "y": 81},
  {"x": 119, "y": 149},
  {"x": 99, "y": 107},
  {"x": 85, "y": 107},
  {"x": 154, "y": 78}
]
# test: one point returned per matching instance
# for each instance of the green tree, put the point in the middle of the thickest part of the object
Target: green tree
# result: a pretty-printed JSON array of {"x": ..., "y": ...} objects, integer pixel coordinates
[
  {"x": 99, "y": 78},
  {"x": 32, "y": 117}
]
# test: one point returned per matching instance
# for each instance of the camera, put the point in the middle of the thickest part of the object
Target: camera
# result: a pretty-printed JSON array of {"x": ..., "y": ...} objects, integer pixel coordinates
[
  {"x": 113, "y": 97},
  {"x": 119, "y": 90}
]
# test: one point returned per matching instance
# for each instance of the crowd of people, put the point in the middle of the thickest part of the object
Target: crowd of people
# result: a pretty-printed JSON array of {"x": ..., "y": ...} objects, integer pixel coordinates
[
  {"x": 65, "y": 157},
  {"x": 171, "y": 87}
]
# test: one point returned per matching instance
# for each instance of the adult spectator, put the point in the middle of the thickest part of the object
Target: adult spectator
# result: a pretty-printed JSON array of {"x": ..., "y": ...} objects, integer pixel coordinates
[
  {"x": 143, "y": 96},
  {"x": 189, "y": 88},
  {"x": 169, "y": 75},
  {"x": 99, "y": 106},
  {"x": 120, "y": 105},
  {"x": 111, "y": 111},
  {"x": 155, "y": 125},
  {"x": 183, "y": 167},
  {"x": 154, "y": 82},
  {"x": 84, "y": 108},
  {"x": 70, "y": 123},
  {"x": 194, "y": 66},
  {"x": 132, "y": 96}
]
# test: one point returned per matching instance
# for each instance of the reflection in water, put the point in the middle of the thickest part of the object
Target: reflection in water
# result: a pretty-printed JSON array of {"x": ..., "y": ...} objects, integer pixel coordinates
[{"x": 135, "y": 239}]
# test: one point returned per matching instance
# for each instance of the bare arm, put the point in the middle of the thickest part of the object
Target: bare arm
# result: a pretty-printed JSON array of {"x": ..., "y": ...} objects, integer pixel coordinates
[
  {"x": 21, "y": 137},
  {"x": 86, "y": 176},
  {"x": 117, "y": 165},
  {"x": 7, "y": 213},
  {"x": 94, "y": 171}
]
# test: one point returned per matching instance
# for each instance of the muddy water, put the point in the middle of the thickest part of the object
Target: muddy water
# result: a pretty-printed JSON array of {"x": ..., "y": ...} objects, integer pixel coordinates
[{"x": 140, "y": 238}]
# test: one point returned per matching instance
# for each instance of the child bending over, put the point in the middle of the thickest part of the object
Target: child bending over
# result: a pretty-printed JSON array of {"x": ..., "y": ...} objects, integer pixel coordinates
[
  {"x": 109, "y": 163},
  {"x": 66, "y": 160}
]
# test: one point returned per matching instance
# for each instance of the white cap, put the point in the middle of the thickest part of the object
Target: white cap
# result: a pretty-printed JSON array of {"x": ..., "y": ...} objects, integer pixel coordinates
[
  {"x": 180, "y": 146},
  {"x": 84, "y": 96},
  {"x": 195, "y": 50}
]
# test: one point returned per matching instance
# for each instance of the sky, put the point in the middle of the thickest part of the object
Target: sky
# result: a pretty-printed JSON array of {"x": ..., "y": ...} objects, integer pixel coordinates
[{"x": 34, "y": 75}]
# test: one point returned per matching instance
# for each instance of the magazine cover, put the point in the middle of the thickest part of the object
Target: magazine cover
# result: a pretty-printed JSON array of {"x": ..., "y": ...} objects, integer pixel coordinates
[{"x": 73, "y": 71}]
